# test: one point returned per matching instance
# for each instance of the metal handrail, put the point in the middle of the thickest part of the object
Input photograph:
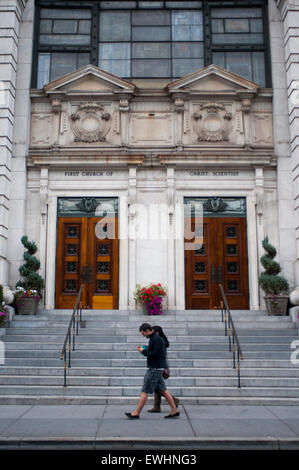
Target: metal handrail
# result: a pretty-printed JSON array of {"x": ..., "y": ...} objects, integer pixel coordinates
[
  {"x": 230, "y": 330},
  {"x": 78, "y": 312}
]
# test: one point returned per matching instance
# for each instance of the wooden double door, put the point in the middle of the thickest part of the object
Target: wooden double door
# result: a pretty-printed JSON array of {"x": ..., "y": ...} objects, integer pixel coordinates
[
  {"x": 220, "y": 259},
  {"x": 85, "y": 257}
]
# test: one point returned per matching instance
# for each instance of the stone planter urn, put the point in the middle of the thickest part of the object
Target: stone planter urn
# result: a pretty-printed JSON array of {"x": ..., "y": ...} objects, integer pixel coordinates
[
  {"x": 276, "y": 305},
  {"x": 28, "y": 305}
]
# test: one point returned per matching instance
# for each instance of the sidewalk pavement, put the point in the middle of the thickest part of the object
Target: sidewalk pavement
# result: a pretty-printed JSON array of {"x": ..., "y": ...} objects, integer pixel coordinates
[{"x": 232, "y": 427}]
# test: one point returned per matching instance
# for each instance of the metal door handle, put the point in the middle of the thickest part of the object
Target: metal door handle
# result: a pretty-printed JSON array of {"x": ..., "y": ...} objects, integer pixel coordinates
[
  {"x": 84, "y": 275},
  {"x": 220, "y": 274},
  {"x": 89, "y": 274},
  {"x": 213, "y": 274}
]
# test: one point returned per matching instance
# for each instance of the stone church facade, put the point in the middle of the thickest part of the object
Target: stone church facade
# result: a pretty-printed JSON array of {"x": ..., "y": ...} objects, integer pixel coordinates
[{"x": 173, "y": 177}]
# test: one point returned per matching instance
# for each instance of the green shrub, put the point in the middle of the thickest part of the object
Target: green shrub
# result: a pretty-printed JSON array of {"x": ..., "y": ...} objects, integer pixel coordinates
[{"x": 270, "y": 282}]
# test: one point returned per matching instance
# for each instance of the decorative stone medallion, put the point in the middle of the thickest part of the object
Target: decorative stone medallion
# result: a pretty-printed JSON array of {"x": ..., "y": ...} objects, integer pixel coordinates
[
  {"x": 90, "y": 123},
  {"x": 211, "y": 122}
]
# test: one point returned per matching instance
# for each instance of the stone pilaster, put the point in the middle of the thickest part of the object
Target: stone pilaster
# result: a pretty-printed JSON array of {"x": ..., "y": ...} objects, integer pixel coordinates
[
  {"x": 282, "y": 141},
  {"x": 10, "y": 18}
]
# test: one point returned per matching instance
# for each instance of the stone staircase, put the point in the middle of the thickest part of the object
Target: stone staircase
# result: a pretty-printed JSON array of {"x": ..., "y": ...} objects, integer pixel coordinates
[{"x": 107, "y": 368}]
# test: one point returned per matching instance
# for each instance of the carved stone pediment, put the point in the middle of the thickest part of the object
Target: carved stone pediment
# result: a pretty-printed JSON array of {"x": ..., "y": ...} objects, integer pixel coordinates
[
  {"x": 213, "y": 79},
  {"x": 87, "y": 80}
]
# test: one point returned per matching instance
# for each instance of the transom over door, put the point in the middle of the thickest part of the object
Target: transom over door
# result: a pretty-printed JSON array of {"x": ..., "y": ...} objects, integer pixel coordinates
[
  {"x": 222, "y": 259},
  {"x": 83, "y": 257}
]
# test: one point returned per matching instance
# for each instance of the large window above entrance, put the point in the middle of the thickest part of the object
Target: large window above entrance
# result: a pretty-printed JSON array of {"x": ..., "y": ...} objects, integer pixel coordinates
[{"x": 142, "y": 40}]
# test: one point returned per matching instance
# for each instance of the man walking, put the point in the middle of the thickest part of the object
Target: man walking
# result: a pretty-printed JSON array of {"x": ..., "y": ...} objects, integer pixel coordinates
[{"x": 153, "y": 379}]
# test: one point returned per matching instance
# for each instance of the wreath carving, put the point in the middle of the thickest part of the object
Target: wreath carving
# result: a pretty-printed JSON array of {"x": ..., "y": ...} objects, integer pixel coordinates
[
  {"x": 212, "y": 123},
  {"x": 90, "y": 123}
]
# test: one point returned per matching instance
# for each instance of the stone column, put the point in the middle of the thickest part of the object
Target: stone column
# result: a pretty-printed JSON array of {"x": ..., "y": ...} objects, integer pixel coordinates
[
  {"x": 281, "y": 16},
  {"x": 10, "y": 17}
]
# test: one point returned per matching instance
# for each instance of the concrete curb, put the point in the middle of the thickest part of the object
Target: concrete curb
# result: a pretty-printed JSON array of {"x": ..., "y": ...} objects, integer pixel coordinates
[{"x": 135, "y": 443}]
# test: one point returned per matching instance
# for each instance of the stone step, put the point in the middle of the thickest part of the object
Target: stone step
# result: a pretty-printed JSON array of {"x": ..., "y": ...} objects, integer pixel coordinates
[
  {"x": 127, "y": 381},
  {"x": 131, "y": 401},
  {"x": 221, "y": 344},
  {"x": 109, "y": 354},
  {"x": 225, "y": 371},
  {"x": 195, "y": 391}
]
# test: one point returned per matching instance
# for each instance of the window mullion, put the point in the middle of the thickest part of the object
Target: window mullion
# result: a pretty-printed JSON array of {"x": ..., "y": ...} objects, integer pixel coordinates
[
  {"x": 94, "y": 40},
  {"x": 207, "y": 34}
]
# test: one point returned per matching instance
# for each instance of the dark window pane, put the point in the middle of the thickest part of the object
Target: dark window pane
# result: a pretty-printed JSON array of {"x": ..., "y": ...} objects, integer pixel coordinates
[
  {"x": 151, "y": 68},
  {"x": 232, "y": 268},
  {"x": 187, "y": 18},
  {"x": 71, "y": 249},
  {"x": 237, "y": 38},
  {"x": 154, "y": 33},
  {"x": 183, "y": 4},
  {"x": 71, "y": 266},
  {"x": 256, "y": 26},
  {"x": 65, "y": 13},
  {"x": 65, "y": 26},
  {"x": 217, "y": 26},
  {"x": 155, "y": 50},
  {"x": 115, "y": 26},
  {"x": 117, "y": 5},
  {"x": 219, "y": 59},
  {"x": 62, "y": 63},
  {"x": 71, "y": 285},
  {"x": 236, "y": 26},
  {"x": 84, "y": 27},
  {"x": 43, "y": 69},
  {"x": 83, "y": 59},
  {"x": 67, "y": 39},
  {"x": 187, "y": 26},
  {"x": 240, "y": 63},
  {"x": 187, "y": 49},
  {"x": 231, "y": 249},
  {"x": 150, "y": 4},
  {"x": 183, "y": 67},
  {"x": 231, "y": 232},
  {"x": 120, "y": 68},
  {"x": 236, "y": 12},
  {"x": 103, "y": 267},
  {"x": 45, "y": 26},
  {"x": 201, "y": 286},
  {"x": 258, "y": 62},
  {"x": 103, "y": 285},
  {"x": 103, "y": 249},
  {"x": 232, "y": 286},
  {"x": 151, "y": 18},
  {"x": 120, "y": 50}
]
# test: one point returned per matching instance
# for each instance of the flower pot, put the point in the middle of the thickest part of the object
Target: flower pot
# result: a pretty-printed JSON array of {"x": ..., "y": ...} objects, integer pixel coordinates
[
  {"x": 153, "y": 308},
  {"x": 276, "y": 305},
  {"x": 28, "y": 305}
]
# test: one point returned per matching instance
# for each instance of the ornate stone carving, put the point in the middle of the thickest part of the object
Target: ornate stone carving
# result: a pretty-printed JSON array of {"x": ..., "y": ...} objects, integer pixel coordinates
[
  {"x": 179, "y": 104},
  {"x": 90, "y": 123},
  {"x": 124, "y": 105},
  {"x": 211, "y": 122},
  {"x": 214, "y": 204}
]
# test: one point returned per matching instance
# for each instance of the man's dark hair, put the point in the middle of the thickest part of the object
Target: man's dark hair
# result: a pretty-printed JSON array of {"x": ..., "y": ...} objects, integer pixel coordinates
[{"x": 145, "y": 327}]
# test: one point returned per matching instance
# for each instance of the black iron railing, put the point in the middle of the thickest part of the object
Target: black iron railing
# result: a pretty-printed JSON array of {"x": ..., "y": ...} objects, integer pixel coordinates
[
  {"x": 72, "y": 331},
  {"x": 230, "y": 331}
]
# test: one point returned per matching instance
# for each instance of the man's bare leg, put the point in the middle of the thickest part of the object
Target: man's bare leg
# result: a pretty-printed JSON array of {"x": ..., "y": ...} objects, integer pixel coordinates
[
  {"x": 141, "y": 402},
  {"x": 169, "y": 398}
]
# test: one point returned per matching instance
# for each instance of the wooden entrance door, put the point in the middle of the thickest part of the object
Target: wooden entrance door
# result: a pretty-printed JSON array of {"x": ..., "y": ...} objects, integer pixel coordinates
[
  {"x": 222, "y": 259},
  {"x": 83, "y": 257}
]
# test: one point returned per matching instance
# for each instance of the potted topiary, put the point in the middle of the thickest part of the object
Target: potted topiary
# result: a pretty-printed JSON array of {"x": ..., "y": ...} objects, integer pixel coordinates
[
  {"x": 28, "y": 292},
  {"x": 275, "y": 287}
]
